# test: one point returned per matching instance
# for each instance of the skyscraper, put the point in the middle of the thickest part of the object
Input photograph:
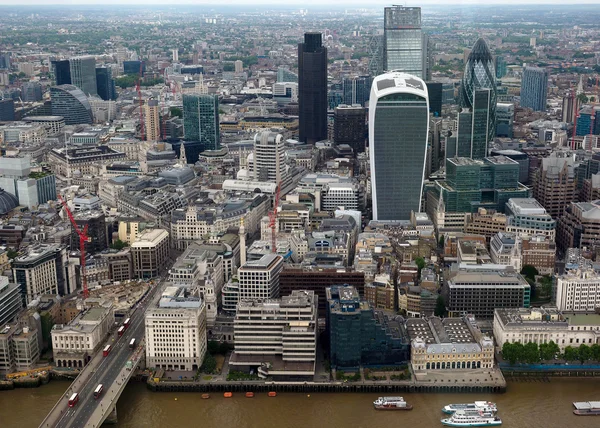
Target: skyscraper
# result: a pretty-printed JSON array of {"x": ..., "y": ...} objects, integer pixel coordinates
[
  {"x": 403, "y": 40},
  {"x": 105, "y": 83},
  {"x": 350, "y": 127},
  {"x": 269, "y": 159},
  {"x": 473, "y": 128},
  {"x": 357, "y": 89},
  {"x": 152, "y": 120},
  {"x": 312, "y": 89},
  {"x": 201, "y": 119},
  {"x": 480, "y": 74},
  {"x": 500, "y": 67},
  {"x": 7, "y": 110},
  {"x": 62, "y": 72},
  {"x": 71, "y": 103},
  {"x": 399, "y": 118},
  {"x": 534, "y": 88},
  {"x": 83, "y": 74},
  {"x": 31, "y": 91}
]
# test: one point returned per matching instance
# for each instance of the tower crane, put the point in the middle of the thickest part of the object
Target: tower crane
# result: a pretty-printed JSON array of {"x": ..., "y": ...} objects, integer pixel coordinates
[
  {"x": 273, "y": 220},
  {"x": 83, "y": 238}
]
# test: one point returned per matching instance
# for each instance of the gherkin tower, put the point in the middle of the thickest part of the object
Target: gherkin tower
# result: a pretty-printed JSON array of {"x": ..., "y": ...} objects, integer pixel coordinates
[{"x": 480, "y": 74}]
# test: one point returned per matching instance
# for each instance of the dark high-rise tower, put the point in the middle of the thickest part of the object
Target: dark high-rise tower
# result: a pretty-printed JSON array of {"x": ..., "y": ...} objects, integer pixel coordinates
[
  {"x": 105, "y": 83},
  {"x": 312, "y": 89},
  {"x": 62, "y": 72}
]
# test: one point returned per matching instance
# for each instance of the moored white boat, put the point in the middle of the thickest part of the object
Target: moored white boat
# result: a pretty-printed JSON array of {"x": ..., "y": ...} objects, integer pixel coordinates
[
  {"x": 460, "y": 418},
  {"x": 391, "y": 403},
  {"x": 484, "y": 406}
]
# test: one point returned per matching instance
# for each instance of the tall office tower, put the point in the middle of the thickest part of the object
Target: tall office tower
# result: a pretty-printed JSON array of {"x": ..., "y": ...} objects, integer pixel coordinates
[
  {"x": 5, "y": 61},
  {"x": 435, "y": 142},
  {"x": 500, "y": 65},
  {"x": 31, "y": 91},
  {"x": 428, "y": 61},
  {"x": 350, "y": 126},
  {"x": 106, "y": 84},
  {"x": 238, "y": 66},
  {"x": 399, "y": 118},
  {"x": 555, "y": 185},
  {"x": 61, "y": 71},
  {"x": 7, "y": 110},
  {"x": 201, "y": 119},
  {"x": 312, "y": 89},
  {"x": 133, "y": 67},
  {"x": 480, "y": 74},
  {"x": 71, "y": 103},
  {"x": 83, "y": 74},
  {"x": 534, "y": 88},
  {"x": 175, "y": 53},
  {"x": 357, "y": 89},
  {"x": 152, "y": 120},
  {"x": 434, "y": 90},
  {"x": 570, "y": 106},
  {"x": 473, "y": 128},
  {"x": 376, "y": 55},
  {"x": 403, "y": 40},
  {"x": 505, "y": 117},
  {"x": 269, "y": 159}
]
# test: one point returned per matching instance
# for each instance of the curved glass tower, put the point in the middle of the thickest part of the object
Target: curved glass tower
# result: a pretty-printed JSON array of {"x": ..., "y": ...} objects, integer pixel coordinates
[
  {"x": 71, "y": 103},
  {"x": 398, "y": 129}
]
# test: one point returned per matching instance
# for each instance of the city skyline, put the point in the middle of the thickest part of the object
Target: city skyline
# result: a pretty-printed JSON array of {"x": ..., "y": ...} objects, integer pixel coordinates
[{"x": 312, "y": 3}]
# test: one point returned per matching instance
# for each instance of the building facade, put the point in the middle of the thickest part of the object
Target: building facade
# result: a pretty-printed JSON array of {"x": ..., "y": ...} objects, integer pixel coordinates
[
  {"x": 534, "y": 88},
  {"x": 71, "y": 103},
  {"x": 150, "y": 253},
  {"x": 399, "y": 118},
  {"x": 83, "y": 74},
  {"x": 259, "y": 279},
  {"x": 201, "y": 119},
  {"x": 403, "y": 40},
  {"x": 578, "y": 291}
]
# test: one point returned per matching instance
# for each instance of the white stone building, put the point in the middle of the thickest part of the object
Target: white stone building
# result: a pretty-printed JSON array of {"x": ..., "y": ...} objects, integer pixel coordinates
[
  {"x": 578, "y": 291},
  {"x": 259, "y": 279}
]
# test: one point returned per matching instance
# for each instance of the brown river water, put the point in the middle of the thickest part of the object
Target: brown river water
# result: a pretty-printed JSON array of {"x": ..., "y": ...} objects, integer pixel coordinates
[{"x": 526, "y": 404}]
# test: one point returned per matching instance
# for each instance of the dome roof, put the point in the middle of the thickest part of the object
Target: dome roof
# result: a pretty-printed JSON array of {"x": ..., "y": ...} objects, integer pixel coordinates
[
  {"x": 480, "y": 52},
  {"x": 8, "y": 202}
]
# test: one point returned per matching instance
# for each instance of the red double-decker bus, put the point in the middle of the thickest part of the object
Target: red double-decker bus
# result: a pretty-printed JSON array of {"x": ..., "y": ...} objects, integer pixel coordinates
[
  {"x": 120, "y": 331},
  {"x": 127, "y": 322},
  {"x": 106, "y": 350},
  {"x": 74, "y": 399},
  {"x": 98, "y": 391}
]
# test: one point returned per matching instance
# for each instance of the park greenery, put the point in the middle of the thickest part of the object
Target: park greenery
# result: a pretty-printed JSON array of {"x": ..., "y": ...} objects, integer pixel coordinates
[
  {"x": 130, "y": 80},
  {"x": 531, "y": 353},
  {"x": 235, "y": 375},
  {"x": 119, "y": 245}
]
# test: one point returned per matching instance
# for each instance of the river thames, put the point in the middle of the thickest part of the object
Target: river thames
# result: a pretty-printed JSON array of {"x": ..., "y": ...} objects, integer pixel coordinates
[{"x": 526, "y": 404}]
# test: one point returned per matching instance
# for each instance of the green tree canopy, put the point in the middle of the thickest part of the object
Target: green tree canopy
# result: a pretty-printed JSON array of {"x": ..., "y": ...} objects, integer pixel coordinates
[
  {"x": 585, "y": 353},
  {"x": 571, "y": 354},
  {"x": 529, "y": 272},
  {"x": 531, "y": 353},
  {"x": 119, "y": 245}
]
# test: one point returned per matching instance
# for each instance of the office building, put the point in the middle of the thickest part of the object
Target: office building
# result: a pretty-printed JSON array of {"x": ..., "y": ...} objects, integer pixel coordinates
[
  {"x": 555, "y": 184},
  {"x": 403, "y": 41},
  {"x": 505, "y": 116},
  {"x": 134, "y": 67},
  {"x": 285, "y": 92},
  {"x": 31, "y": 92},
  {"x": 579, "y": 227},
  {"x": 152, "y": 120},
  {"x": 150, "y": 253},
  {"x": 357, "y": 90},
  {"x": 578, "y": 290},
  {"x": 399, "y": 118},
  {"x": 545, "y": 324},
  {"x": 105, "y": 84},
  {"x": 10, "y": 300},
  {"x": 312, "y": 89},
  {"x": 62, "y": 72},
  {"x": 570, "y": 107},
  {"x": 53, "y": 124},
  {"x": 278, "y": 337},
  {"x": 20, "y": 345},
  {"x": 95, "y": 222},
  {"x": 259, "y": 279},
  {"x": 526, "y": 216},
  {"x": 71, "y": 103},
  {"x": 285, "y": 75},
  {"x": 43, "y": 269},
  {"x": 350, "y": 126},
  {"x": 7, "y": 110},
  {"x": 479, "y": 290},
  {"x": 434, "y": 92},
  {"x": 74, "y": 344},
  {"x": 269, "y": 159},
  {"x": 472, "y": 137},
  {"x": 448, "y": 344},
  {"x": 176, "y": 331},
  {"x": 540, "y": 252},
  {"x": 83, "y": 74},
  {"x": 500, "y": 66},
  {"x": 201, "y": 119},
  {"x": 534, "y": 88},
  {"x": 360, "y": 335}
]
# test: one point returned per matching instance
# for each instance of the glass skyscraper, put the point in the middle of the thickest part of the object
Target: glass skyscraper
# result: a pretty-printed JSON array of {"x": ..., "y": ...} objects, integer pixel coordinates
[
  {"x": 403, "y": 40},
  {"x": 534, "y": 88},
  {"x": 312, "y": 89},
  {"x": 83, "y": 74},
  {"x": 62, "y": 72},
  {"x": 201, "y": 119},
  {"x": 399, "y": 118},
  {"x": 357, "y": 89},
  {"x": 106, "y": 84}
]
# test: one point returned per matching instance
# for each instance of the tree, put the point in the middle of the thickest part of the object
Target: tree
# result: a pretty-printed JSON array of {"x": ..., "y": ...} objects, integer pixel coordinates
[
  {"x": 531, "y": 353},
  {"x": 420, "y": 262},
  {"x": 582, "y": 98},
  {"x": 209, "y": 365},
  {"x": 12, "y": 254},
  {"x": 509, "y": 353},
  {"x": 571, "y": 354},
  {"x": 545, "y": 352},
  {"x": 529, "y": 272},
  {"x": 585, "y": 353},
  {"x": 119, "y": 245},
  {"x": 440, "y": 307},
  {"x": 546, "y": 283},
  {"x": 595, "y": 350},
  {"x": 176, "y": 112}
]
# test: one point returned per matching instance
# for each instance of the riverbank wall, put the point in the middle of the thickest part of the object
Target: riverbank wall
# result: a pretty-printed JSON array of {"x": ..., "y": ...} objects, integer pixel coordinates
[
  {"x": 312, "y": 387},
  {"x": 549, "y": 370}
]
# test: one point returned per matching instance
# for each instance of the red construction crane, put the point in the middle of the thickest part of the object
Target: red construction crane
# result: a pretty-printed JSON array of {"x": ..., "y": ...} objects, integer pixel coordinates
[
  {"x": 139, "y": 93},
  {"x": 83, "y": 238},
  {"x": 273, "y": 221}
]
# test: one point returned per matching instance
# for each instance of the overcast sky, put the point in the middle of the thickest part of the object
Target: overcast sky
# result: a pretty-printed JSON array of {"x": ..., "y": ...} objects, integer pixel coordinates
[{"x": 291, "y": 3}]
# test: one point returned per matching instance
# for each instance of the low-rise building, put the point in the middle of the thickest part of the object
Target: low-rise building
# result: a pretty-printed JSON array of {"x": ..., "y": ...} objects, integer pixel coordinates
[
  {"x": 277, "y": 336},
  {"x": 381, "y": 293},
  {"x": 544, "y": 325},
  {"x": 75, "y": 343},
  {"x": 176, "y": 331},
  {"x": 448, "y": 344},
  {"x": 19, "y": 347}
]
